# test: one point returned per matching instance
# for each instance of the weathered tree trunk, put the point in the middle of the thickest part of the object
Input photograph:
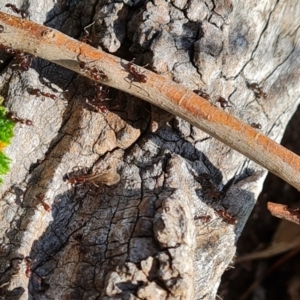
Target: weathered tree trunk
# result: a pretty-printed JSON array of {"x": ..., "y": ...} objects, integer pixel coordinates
[{"x": 161, "y": 232}]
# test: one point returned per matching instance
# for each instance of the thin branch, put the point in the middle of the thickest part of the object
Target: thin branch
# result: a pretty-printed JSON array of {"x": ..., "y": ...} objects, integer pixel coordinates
[
  {"x": 283, "y": 212},
  {"x": 56, "y": 47}
]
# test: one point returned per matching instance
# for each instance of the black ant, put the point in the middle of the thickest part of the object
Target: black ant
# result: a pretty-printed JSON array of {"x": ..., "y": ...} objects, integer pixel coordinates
[
  {"x": 256, "y": 125},
  {"x": 202, "y": 94},
  {"x": 13, "y": 117},
  {"x": 1, "y": 28},
  {"x": 223, "y": 102},
  {"x": 16, "y": 10}
]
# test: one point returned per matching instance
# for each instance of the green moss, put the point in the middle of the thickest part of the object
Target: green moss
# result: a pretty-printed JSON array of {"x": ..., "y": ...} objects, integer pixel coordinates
[
  {"x": 6, "y": 127},
  {"x": 6, "y": 134}
]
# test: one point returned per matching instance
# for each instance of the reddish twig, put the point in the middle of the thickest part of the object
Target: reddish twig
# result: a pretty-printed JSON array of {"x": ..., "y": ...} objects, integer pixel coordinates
[
  {"x": 56, "y": 47},
  {"x": 283, "y": 212}
]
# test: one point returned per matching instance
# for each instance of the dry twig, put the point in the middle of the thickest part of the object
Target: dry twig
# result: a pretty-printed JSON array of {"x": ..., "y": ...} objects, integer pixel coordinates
[
  {"x": 56, "y": 47},
  {"x": 283, "y": 212}
]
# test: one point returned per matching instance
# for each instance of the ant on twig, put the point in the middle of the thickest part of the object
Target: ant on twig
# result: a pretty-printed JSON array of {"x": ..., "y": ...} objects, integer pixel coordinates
[
  {"x": 223, "y": 102},
  {"x": 136, "y": 74},
  {"x": 256, "y": 125}
]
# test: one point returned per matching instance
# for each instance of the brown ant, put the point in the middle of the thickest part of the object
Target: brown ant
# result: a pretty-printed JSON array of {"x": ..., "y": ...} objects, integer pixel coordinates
[
  {"x": 16, "y": 10},
  {"x": 256, "y": 125},
  {"x": 40, "y": 198},
  {"x": 202, "y": 94},
  {"x": 107, "y": 178},
  {"x": 38, "y": 93},
  {"x": 23, "y": 61},
  {"x": 226, "y": 216},
  {"x": 7, "y": 50},
  {"x": 137, "y": 75},
  {"x": 13, "y": 117},
  {"x": 1, "y": 28},
  {"x": 97, "y": 102},
  {"x": 257, "y": 90},
  {"x": 28, "y": 261},
  {"x": 223, "y": 102},
  {"x": 94, "y": 72},
  {"x": 85, "y": 37},
  {"x": 203, "y": 219}
]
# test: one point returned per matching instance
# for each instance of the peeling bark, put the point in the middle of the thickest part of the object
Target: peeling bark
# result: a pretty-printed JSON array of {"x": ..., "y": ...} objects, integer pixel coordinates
[{"x": 156, "y": 234}]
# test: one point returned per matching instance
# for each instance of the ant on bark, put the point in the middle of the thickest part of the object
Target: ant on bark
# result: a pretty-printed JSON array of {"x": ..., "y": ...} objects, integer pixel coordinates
[
  {"x": 38, "y": 93},
  {"x": 40, "y": 198},
  {"x": 226, "y": 216},
  {"x": 97, "y": 102},
  {"x": 107, "y": 178},
  {"x": 13, "y": 117},
  {"x": 28, "y": 261},
  {"x": 16, "y": 10},
  {"x": 258, "y": 92}
]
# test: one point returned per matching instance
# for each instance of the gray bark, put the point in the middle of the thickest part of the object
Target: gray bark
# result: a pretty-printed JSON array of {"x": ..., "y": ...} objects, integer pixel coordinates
[{"x": 156, "y": 234}]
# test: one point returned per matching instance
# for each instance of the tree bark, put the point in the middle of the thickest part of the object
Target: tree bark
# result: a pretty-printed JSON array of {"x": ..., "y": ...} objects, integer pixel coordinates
[{"x": 162, "y": 232}]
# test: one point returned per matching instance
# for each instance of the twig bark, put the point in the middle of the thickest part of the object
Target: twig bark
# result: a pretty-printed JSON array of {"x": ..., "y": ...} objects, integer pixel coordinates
[
  {"x": 283, "y": 212},
  {"x": 56, "y": 47}
]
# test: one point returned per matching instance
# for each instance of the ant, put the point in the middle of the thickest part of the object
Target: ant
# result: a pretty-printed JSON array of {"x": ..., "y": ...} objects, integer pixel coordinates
[
  {"x": 16, "y": 10},
  {"x": 1, "y": 28},
  {"x": 38, "y": 93},
  {"x": 13, "y": 117},
  {"x": 7, "y": 50},
  {"x": 96, "y": 103},
  {"x": 94, "y": 72},
  {"x": 226, "y": 216},
  {"x": 107, "y": 178},
  {"x": 203, "y": 219},
  {"x": 28, "y": 261},
  {"x": 256, "y": 125},
  {"x": 257, "y": 90},
  {"x": 202, "y": 94},
  {"x": 223, "y": 102},
  {"x": 85, "y": 37},
  {"x": 137, "y": 75},
  {"x": 40, "y": 198}
]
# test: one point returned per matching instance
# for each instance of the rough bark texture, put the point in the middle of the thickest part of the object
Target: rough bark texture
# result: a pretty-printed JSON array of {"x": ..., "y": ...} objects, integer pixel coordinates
[{"x": 157, "y": 234}]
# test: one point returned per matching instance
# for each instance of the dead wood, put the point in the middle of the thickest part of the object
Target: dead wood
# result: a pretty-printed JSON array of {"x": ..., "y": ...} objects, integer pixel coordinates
[{"x": 145, "y": 237}]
